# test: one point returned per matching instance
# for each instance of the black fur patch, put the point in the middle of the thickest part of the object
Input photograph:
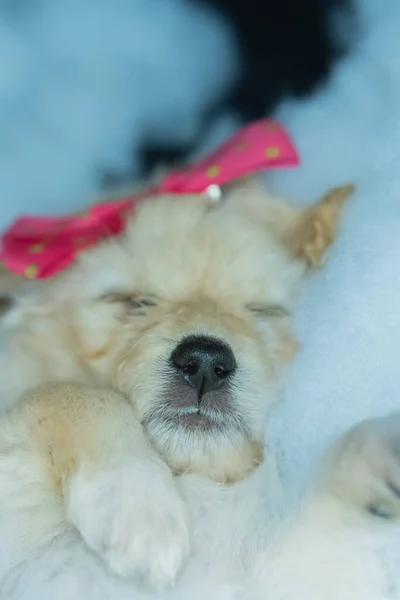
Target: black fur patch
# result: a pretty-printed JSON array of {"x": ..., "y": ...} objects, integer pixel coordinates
[{"x": 287, "y": 48}]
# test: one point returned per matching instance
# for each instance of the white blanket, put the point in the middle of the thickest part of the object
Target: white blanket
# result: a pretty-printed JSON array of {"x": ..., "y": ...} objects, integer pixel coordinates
[{"x": 349, "y": 323}]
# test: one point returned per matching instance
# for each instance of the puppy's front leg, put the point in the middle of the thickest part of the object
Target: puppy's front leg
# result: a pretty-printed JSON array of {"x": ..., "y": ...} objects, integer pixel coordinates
[
  {"x": 362, "y": 469},
  {"x": 117, "y": 491},
  {"x": 343, "y": 542}
]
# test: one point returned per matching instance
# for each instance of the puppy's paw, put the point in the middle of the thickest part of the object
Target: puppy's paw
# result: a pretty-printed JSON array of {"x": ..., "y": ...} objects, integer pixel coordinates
[
  {"x": 363, "y": 467},
  {"x": 134, "y": 518}
]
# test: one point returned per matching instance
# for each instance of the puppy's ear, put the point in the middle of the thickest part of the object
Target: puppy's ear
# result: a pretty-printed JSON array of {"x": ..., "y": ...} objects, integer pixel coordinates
[
  {"x": 311, "y": 233},
  {"x": 306, "y": 233}
]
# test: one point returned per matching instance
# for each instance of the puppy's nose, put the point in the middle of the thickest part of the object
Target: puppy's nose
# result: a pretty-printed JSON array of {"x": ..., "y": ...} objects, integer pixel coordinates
[{"x": 205, "y": 363}]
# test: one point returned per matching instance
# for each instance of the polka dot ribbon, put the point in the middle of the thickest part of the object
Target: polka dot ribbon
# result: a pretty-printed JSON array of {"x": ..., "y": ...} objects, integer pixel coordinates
[{"x": 40, "y": 247}]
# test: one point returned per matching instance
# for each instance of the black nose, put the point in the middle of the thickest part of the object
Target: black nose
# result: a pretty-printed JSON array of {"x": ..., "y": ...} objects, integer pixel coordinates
[{"x": 205, "y": 363}]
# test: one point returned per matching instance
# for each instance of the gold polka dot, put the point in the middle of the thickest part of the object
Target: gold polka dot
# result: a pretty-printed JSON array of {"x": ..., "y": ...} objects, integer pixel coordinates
[
  {"x": 31, "y": 271},
  {"x": 241, "y": 146},
  {"x": 213, "y": 171},
  {"x": 36, "y": 248},
  {"x": 272, "y": 152}
]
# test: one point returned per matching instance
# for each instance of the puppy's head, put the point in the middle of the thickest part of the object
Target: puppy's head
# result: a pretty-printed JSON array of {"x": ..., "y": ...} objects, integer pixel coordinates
[{"x": 189, "y": 313}]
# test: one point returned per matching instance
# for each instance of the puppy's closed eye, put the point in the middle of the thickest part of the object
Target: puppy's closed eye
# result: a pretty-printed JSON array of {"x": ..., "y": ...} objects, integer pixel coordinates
[
  {"x": 6, "y": 302},
  {"x": 135, "y": 303},
  {"x": 269, "y": 310}
]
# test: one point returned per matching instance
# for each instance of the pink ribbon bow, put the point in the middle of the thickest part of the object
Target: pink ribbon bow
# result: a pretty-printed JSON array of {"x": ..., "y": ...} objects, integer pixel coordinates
[{"x": 40, "y": 247}]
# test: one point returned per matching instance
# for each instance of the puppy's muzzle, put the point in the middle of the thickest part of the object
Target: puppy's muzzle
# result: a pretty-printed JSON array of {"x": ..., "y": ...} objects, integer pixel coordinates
[{"x": 204, "y": 363}]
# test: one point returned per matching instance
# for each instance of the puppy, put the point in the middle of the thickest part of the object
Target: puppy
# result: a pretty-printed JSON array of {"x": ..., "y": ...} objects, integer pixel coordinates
[{"x": 176, "y": 335}]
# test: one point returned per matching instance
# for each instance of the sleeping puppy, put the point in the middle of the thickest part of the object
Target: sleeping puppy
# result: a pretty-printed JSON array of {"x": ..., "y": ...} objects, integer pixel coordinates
[{"x": 176, "y": 335}]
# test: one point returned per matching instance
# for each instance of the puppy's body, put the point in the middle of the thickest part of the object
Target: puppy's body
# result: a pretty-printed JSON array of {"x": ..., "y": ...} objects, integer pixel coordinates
[
  {"x": 247, "y": 541},
  {"x": 188, "y": 316}
]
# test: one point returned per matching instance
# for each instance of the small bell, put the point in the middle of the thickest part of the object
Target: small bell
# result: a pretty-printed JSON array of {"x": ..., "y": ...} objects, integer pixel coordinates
[{"x": 214, "y": 192}]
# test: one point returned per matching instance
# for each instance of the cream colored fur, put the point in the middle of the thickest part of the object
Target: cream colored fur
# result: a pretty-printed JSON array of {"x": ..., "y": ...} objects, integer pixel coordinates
[{"x": 96, "y": 463}]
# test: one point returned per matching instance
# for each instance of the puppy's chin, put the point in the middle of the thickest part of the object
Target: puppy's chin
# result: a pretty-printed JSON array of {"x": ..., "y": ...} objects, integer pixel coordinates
[{"x": 208, "y": 437}]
